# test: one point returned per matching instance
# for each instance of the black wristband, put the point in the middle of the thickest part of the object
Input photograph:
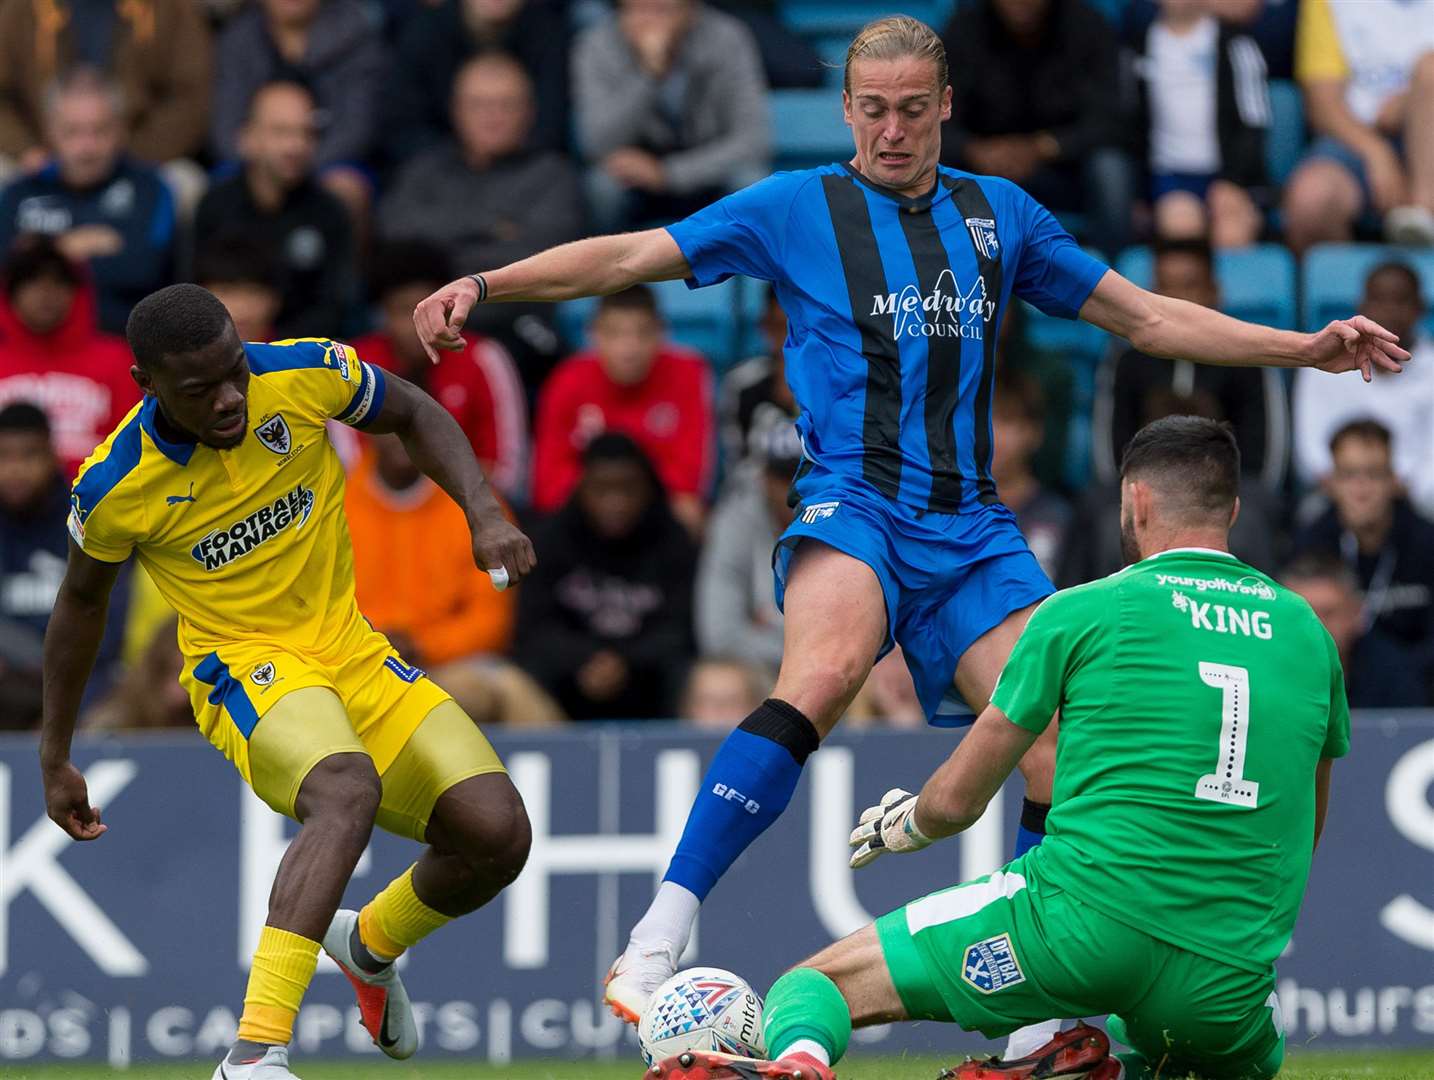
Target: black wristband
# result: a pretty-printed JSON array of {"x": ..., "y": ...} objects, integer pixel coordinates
[{"x": 482, "y": 284}]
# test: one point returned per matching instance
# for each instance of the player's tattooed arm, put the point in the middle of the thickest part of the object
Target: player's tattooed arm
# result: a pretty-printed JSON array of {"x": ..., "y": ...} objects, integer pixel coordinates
[
  {"x": 438, "y": 446},
  {"x": 1177, "y": 329},
  {"x": 593, "y": 267},
  {"x": 72, "y": 640}
]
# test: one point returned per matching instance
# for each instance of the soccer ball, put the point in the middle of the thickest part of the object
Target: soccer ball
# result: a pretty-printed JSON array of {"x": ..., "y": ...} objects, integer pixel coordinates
[{"x": 702, "y": 1009}]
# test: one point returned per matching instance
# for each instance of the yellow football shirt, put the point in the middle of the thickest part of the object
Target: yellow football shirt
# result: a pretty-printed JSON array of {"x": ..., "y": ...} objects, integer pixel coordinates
[{"x": 247, "y": 544}]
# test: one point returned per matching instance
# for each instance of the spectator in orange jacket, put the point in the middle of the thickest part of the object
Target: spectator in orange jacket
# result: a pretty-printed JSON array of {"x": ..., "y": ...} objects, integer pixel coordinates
[
  {"x": 413, "y": 563},
  {"x": 634, "y": 382}
]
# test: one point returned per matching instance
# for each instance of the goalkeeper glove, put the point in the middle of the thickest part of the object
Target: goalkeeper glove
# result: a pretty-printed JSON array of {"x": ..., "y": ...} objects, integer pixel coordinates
[{"x": 890, "y": 826}]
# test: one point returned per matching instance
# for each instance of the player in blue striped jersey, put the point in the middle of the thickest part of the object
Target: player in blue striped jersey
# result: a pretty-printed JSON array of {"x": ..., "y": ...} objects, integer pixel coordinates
[{"x": 894, "y": 274}]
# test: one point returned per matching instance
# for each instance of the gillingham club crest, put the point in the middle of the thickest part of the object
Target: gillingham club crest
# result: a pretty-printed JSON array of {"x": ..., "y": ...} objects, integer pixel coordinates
[{"x": 274, "y": 434}]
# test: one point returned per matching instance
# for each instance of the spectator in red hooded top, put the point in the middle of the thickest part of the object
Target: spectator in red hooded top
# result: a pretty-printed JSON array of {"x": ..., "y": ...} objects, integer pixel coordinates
[
  {"x": 479, "y": 386},
  {"x": 51, "y": 352},
  {"x": 635, "y": 382}
]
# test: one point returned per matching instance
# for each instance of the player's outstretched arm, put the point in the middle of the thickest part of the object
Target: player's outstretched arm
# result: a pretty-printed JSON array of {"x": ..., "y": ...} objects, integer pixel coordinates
[
  {"x": 437, "y": 445},
  {"x": 1163, "y": 326},
  {"x": 72, "y": 640},
  {"x": 952, "y": 800},
  {"x": 593, "y": 267}
]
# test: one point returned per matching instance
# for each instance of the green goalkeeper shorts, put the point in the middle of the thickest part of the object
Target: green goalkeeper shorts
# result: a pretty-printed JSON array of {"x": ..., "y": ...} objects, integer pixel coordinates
[{"x": 1007, "y": 950}]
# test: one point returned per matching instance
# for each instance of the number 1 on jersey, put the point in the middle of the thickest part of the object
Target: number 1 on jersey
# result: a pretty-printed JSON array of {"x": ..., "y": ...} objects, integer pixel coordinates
[{"x": 1227, "y": 784}]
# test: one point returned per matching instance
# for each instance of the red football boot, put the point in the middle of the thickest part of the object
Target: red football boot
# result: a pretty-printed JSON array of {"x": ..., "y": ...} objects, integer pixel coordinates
[
  {"x": 1071, "y": 1055},
  {"x": 696, "y": 1065}
]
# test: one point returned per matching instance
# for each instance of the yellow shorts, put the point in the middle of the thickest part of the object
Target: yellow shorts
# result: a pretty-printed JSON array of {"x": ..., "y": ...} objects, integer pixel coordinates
[{"x": 276, "y": 714}]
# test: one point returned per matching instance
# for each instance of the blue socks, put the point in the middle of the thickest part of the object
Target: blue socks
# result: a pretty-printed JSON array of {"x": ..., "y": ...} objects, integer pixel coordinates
[
  {"x": 746, "y": 788},
  {"x": 1032, "y": 829}
]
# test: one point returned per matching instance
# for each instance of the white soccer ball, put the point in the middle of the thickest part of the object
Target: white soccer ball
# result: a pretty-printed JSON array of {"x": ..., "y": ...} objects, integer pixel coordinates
[{"x": 705, "y": 1009}]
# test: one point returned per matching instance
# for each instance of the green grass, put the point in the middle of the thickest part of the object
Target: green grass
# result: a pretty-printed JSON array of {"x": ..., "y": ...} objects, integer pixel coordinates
[{"x": 1302, "y": 1064}]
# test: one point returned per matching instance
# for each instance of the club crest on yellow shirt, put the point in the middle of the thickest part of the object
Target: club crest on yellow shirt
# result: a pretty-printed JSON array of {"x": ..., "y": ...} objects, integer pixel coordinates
[{"x": 274, "y": 434}]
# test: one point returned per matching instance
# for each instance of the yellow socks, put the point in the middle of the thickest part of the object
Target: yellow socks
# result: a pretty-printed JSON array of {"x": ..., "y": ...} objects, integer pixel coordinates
[
  {"x": 396, "y": 918},
  {"x": 283, "y": 967}
]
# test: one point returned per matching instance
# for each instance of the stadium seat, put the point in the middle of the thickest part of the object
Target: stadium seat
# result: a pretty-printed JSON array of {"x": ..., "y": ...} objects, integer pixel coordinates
[
  {"x": 813, "y": 17},
  {"x": 1285, "y": 140},
  {"x": 808, "y": 129},
  {"x": 702, "y": 319},
  {"x": 1256, "y": 283},
  {"x": 1334, "y": 274}
]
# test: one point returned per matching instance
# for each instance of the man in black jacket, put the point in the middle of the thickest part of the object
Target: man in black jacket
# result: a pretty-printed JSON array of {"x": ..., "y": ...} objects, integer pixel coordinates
[
  {"x": 276, "y": 201},
  {"x": 1035, "y": 98},
  {"x": 605, "y": 622},
  {"x": 1375, "y": 531}
]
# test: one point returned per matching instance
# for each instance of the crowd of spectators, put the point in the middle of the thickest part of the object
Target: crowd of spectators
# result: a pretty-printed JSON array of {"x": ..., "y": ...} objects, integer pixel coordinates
[{"x": 321, "y": 165}]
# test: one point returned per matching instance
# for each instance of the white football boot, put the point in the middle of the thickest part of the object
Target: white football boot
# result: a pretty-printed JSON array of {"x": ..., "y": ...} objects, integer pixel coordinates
[
  {"x": 383, "y": 1002},
  {"x": 274, "y": 1065},
  {"x": 635, "y": 976}
]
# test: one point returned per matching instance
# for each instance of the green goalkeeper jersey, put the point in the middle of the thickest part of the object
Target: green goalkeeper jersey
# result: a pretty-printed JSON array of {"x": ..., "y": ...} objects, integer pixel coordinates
[{"x": 1196, "y": 698}]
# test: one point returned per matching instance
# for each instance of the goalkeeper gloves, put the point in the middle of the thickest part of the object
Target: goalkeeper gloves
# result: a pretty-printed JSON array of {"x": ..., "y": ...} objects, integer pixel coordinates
[{"x": 888, "y": 827}]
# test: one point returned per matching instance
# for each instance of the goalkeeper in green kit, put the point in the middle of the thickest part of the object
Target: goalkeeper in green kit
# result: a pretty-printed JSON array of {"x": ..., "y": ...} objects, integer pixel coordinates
[{"x": 1201, "y": 707}]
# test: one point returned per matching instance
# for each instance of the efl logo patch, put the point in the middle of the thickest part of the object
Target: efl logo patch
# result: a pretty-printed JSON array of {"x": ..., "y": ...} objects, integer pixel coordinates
[
  {"x": 263, "y": 675},
  {"x": 814, "y": 513},
  {"x": 274, "y": 434},
  {"x": 991, "y": 965}
]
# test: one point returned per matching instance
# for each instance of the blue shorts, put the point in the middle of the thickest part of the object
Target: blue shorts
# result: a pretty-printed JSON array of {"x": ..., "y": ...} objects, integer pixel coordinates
[
  {"x": 946, "y": 578},
  {"x": 1162, "y": 184}
]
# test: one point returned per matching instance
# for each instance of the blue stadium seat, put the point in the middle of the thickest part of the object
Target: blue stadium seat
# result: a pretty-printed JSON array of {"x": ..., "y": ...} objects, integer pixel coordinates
[
  {"x": 808, "y": 129},
  {"x": 702, "y": 319},
  {"x": 1334, "y": 276},
  {"x": 814, "y": 17},
  {"x": 1256, "y": 283},
  {"x": 1285, "y": 141}
]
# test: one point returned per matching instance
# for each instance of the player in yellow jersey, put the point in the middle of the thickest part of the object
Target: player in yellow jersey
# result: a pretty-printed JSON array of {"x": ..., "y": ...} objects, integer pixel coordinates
[{"x": 223, "y": 483}]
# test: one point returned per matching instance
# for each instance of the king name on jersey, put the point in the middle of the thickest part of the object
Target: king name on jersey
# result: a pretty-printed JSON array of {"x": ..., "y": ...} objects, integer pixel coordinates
[
  {"x": 1223, "y": 619},
  {"x": 223, "y": 546}
]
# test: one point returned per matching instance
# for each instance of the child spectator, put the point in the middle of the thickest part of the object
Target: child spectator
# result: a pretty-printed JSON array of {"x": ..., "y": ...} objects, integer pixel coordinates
[
  {"x": 635, "y": 382},
  {"x": 479, "y": 386},
  {"x": 1204, "y": 108},
  {"x": 276, "y": 201},
  {"x": 237, "y": 269},
  {"x": 1018, "y": 424},
  {"x": 105, "y": 209},
  {"x": 721, "y": 693},
  {"x": 34, "y": 502},
  {"x": 737, "y": 616},
  {"x": 1378, "y": 535},
  {"x": 51, "y": 354},
  {"x": 1379, "y": 673},
  {"x": 605, "y": 621},
  {"x": 1403, "y": 403}
]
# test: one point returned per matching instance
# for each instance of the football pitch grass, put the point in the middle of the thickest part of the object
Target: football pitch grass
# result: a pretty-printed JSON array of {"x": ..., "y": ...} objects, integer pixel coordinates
[{"x": 1302, "y": 1064}]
